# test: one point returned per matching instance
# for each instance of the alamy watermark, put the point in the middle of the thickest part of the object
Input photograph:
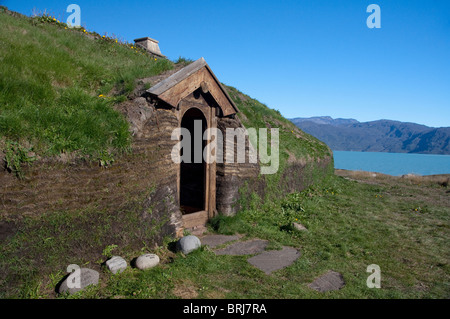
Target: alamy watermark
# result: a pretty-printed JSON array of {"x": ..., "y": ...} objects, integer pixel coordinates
[
  {"x": 235, "y": 139},
  {"x": 74, "y": 279},
  {"x": 374, "y": 280},
  {"x": 373, "y": 20},
  {"x": 74, "y": 20}
]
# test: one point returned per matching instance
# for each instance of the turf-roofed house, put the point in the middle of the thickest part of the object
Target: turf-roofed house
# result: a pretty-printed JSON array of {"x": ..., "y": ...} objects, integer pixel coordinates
[{"x": 202, "y": 186}]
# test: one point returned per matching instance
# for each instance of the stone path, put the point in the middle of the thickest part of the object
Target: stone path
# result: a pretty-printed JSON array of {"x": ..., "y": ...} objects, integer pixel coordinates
[
  {"x": 330, "y": 281},
  {"x": 267, "y": 261},
  {"x": 216, "y": 240},
  {"x": 272, "y": 260},
  {"x": 248, "y": 247}
]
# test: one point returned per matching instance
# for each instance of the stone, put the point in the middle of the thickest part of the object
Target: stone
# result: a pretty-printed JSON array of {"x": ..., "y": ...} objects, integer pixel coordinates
[
  {"x": 269, "y": 261},
  {"x": 299, "y": 226},
  {"x": 86, "y": 277},
  {"x": 249, "y": 247},
  {"x": 217, "y": 240},
  {"x": 116, "y": 264},
  {"x": 332, "y": 280},
  {"x": 188, "y": 244},
  {"x": 147, "y": 261}
]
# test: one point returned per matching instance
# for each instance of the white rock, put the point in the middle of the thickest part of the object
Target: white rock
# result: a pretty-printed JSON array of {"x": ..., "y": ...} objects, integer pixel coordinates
[
  {"x": 188, "y": 244},
  {"x": 299, "y": 226},
  {"x": 147, "y": 261},
  {"x": 116, "y": 264}
]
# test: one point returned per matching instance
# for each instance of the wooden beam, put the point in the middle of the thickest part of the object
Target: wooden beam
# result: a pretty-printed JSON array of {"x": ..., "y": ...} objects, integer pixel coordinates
[{"x": 195, "y": 219}]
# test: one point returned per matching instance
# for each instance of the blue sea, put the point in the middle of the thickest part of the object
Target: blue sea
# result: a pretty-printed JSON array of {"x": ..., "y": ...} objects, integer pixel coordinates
[{"x": 396, "y": 164}]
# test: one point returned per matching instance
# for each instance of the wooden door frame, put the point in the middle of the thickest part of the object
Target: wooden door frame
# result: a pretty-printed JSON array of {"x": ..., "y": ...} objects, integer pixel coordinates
[{"x": 201, "y": 217}]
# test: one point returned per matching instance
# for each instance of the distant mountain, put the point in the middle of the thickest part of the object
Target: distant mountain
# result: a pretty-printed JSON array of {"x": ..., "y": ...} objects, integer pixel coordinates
[
  {"x": 323, "y": 120},
  {"x": 377, "y": 136}
]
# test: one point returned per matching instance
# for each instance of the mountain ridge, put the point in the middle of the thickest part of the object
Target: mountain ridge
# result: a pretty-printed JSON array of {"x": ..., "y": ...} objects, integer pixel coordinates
[{"x": 377, "y": 136}]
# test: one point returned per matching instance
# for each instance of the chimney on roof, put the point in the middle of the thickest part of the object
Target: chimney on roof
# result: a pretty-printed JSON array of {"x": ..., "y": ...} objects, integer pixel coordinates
[{"x": 149, "y": 44}]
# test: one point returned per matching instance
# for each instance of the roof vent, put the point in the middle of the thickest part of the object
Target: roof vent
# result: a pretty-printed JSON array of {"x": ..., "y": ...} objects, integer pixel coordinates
[{"x": 149, "y": 44}]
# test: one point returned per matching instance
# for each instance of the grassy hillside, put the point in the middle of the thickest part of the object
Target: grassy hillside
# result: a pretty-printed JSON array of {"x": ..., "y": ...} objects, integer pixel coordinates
[
  {"x": 298, "y": 151},
  {"x": 255, "y": 114},
  {"x": 58, "y": 85}
]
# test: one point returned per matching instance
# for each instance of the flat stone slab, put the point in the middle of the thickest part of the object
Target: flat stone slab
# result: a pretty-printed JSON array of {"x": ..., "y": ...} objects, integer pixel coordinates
[
  {"x": 249, "y": 247},
  {"x": 217, "y": 240},
  {"x": 332, "y": 280},
  {"x": 269, "y": 261}
]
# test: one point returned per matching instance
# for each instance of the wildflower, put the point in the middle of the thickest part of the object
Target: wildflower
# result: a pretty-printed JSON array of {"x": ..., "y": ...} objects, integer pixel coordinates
[{"x": 101, "y": 95}]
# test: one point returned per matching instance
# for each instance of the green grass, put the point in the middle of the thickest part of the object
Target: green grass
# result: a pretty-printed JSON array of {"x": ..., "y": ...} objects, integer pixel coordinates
[
  {"x": 255, "y": 114},
  {"x": 36, "y": 256},
  {"x": 58, "y": 87},
  {"x": 293, "y": 143},
  {"x": 350, "y": 225}
]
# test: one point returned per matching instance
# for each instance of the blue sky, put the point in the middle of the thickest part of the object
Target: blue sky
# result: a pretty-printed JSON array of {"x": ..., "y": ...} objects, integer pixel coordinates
[{"x": 304, "y": 58}]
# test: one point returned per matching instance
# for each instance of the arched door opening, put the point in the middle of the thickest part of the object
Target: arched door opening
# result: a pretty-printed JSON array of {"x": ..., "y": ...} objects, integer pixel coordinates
[{"x": 193, "y": 174}]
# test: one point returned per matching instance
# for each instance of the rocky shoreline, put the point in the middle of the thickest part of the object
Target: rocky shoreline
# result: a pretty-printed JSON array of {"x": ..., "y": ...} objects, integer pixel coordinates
[{"x": 441, "y": 179}]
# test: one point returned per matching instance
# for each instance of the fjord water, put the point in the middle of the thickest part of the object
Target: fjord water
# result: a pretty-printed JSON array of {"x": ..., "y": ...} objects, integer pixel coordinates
[{"x": 392, "y": 163}]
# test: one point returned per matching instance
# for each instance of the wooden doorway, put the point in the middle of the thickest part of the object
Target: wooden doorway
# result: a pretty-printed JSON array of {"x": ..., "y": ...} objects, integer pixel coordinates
[{"x": 193, "y": 171}]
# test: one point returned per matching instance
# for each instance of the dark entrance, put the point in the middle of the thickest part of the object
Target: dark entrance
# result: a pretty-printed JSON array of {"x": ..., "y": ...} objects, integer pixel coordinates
[{"x": 192, "y": 173}]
